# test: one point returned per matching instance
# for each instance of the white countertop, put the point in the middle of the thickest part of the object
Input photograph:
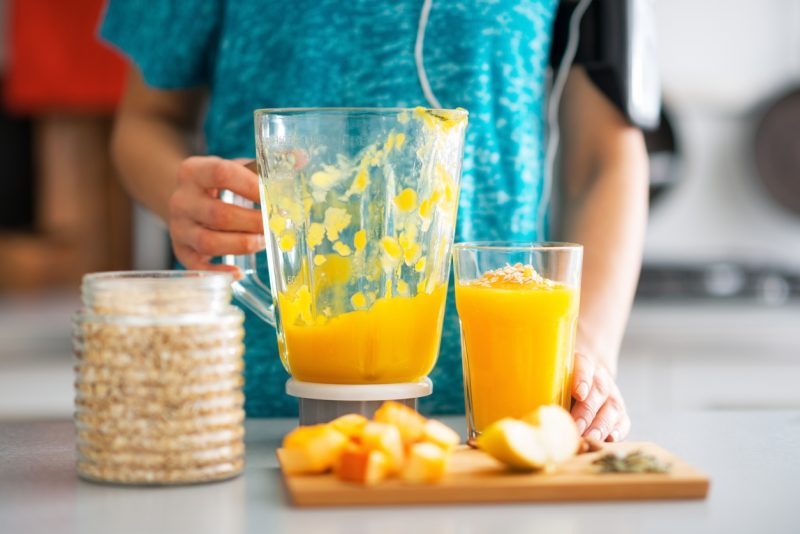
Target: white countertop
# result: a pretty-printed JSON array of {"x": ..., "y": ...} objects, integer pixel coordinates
[{"x": 753, "y": 458}]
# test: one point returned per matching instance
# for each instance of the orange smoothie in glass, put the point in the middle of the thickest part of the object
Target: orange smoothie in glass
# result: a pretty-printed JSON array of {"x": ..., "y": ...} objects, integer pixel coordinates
[{"x": 518, "y": 332}]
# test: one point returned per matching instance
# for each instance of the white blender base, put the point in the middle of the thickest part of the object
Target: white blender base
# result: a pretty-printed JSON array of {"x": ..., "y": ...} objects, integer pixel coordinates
[{"x": 320, "y": 403}]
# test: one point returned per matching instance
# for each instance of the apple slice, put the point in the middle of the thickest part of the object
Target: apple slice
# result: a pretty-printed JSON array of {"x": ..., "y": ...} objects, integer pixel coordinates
[
  {"x": 440, "y": 434},
  {"x": 408, "y": 421},
  {"x": 311, "y": 449},
  {"x": 557, "y": 430},
  {"x": 350, "y": 425},
  {"x": 385, "y": 438},
  {"x": 361, "y": 465},
  {"x": 426, "y": 463},
  {"x": 515, "y": 443}
]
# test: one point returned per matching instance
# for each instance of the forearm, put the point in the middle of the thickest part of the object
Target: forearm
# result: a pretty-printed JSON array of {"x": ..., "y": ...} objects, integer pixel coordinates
[
  {"x": 609, "y": 218},
  {"x": 153, "y": 133},
  {"x": 147, "y": 153}
]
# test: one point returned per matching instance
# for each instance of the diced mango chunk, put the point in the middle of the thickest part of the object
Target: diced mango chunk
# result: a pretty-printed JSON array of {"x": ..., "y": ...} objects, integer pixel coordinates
[
  {"x": 440, "y": 434},
  {"x": 426, "y": 463},
  {"x": 351, "y": 425},
  {"x": 385, "y": 438},
  {"x": 315, "y": 449},
  {"x": 362, "y": 465},
  {"x": 407, "y": 420},
  {"x": 399, "y": 442}
]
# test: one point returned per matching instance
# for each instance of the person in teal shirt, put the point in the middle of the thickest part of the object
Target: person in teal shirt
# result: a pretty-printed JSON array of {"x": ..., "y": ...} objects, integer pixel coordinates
[{"x": 212, "y": 62}]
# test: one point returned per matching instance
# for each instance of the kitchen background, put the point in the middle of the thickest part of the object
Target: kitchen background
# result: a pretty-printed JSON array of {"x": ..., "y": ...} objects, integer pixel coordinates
[{"x": 716, "y": 324}]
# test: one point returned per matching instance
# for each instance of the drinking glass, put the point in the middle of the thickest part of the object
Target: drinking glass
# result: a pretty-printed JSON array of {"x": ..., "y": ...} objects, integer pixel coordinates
[{"x": 518, "y": 309}]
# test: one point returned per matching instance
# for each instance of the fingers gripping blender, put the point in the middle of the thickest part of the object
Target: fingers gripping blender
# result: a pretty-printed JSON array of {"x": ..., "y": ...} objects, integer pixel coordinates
[{"x": 359, "y": 210}]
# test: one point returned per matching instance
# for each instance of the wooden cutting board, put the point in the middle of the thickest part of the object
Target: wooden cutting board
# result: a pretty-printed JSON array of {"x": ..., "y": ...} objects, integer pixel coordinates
[{"x": 475, "y": 477}]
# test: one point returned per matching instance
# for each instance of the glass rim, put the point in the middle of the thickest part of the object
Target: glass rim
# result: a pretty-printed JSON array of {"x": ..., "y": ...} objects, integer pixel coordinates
[
  {"x": 518, "y": 246},
  {"x": 353, "y": 110}
]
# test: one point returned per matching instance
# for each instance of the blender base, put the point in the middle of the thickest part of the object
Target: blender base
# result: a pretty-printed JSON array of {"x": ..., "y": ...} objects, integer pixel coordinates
[{"x": 320, "y": 403}]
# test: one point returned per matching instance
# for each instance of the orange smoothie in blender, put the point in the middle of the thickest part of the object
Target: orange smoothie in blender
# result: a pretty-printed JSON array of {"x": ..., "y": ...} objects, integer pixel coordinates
[
  {"x": 395, "y": 340},
  {"x": 518, "y": 334}
]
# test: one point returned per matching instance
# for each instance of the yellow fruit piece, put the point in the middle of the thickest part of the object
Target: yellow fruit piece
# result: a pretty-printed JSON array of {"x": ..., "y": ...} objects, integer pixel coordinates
[
  {"x": 447, "y": 183},
  {"x": 277, "y": 223},
  {"x": 426, "y": 463},
  {"x": 385, "y": 438},
  {"x": 358, "y": 300},
  {"x": 420, "y": 265},
  {"x": 316, "y": 233},
  {"x": 323, "y": 180},
  {"x": 287, "y": 241},
  {"x": 402, "y": 287},
  {"x": 440, "y": 435},
  {"x": 421, "y": 285},
  {"x": 407, "y": 420},
  {"x": 361, "y": 465},
  {"x": 557, "y": 430},
  {"x": 514, "y": 443},
  {"x": 342, "y": 249},
  {"x": 391, "y": 247},
  {"x": 437, "y": 119},
  {"x": 425, "y": 208},
  {"x": 350, "y": 425},
  {"x": 389, "y": 144},
  {"x": 336, "y": 220},
  {"x": 335, "y": 270},
  {"x": 387, "y": 292},
  {"x": 296, "y": 306},
  {"x": 361, "y": 181},
  {"x": 399, "y": 140},
  {"x": 360, "y": 240},
  {"x": 319, "y": 259},
  {"x": 292, "y": 208},
  {"x": 312, "y": 449},
  {"x": 412, "y": 253},
  {"x": 406, "y": 200}
]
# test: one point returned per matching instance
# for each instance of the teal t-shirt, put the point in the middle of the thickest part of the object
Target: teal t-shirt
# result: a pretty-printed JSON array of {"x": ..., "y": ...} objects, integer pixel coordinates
[{"x": 489, "y": 57}]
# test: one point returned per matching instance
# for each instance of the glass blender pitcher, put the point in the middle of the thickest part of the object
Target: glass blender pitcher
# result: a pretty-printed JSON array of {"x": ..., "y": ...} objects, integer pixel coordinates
[{"x": 359, "y": 209}]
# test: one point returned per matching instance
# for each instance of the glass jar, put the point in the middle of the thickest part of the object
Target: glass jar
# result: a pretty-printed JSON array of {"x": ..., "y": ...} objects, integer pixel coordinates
[{"x": 158, "y": 392}]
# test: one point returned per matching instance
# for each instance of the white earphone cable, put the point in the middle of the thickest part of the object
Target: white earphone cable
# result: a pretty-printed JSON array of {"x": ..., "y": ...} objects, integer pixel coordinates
[
  {"x": 418, "y": 59},
  {"x": 560, "y": 80},
  {"x": 554, "y": 133}
]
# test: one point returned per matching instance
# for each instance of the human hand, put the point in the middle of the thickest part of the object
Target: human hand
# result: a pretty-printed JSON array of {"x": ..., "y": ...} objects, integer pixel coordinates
[
  {"x": 203, "y": 226},
  {"x": 599, "y": 410}
]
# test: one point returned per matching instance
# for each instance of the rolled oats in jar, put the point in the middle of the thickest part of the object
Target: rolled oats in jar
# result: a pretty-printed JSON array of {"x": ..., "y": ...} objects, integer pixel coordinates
[{"x": 158, "y": 391}]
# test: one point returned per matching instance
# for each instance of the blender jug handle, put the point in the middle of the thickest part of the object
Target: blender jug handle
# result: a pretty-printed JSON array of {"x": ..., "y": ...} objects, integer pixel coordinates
[{"x": 250, "y": 290}]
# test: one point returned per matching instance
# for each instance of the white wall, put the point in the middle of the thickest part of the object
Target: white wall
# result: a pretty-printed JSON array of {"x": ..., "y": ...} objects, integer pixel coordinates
[{"x": 722, "y": 61}]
